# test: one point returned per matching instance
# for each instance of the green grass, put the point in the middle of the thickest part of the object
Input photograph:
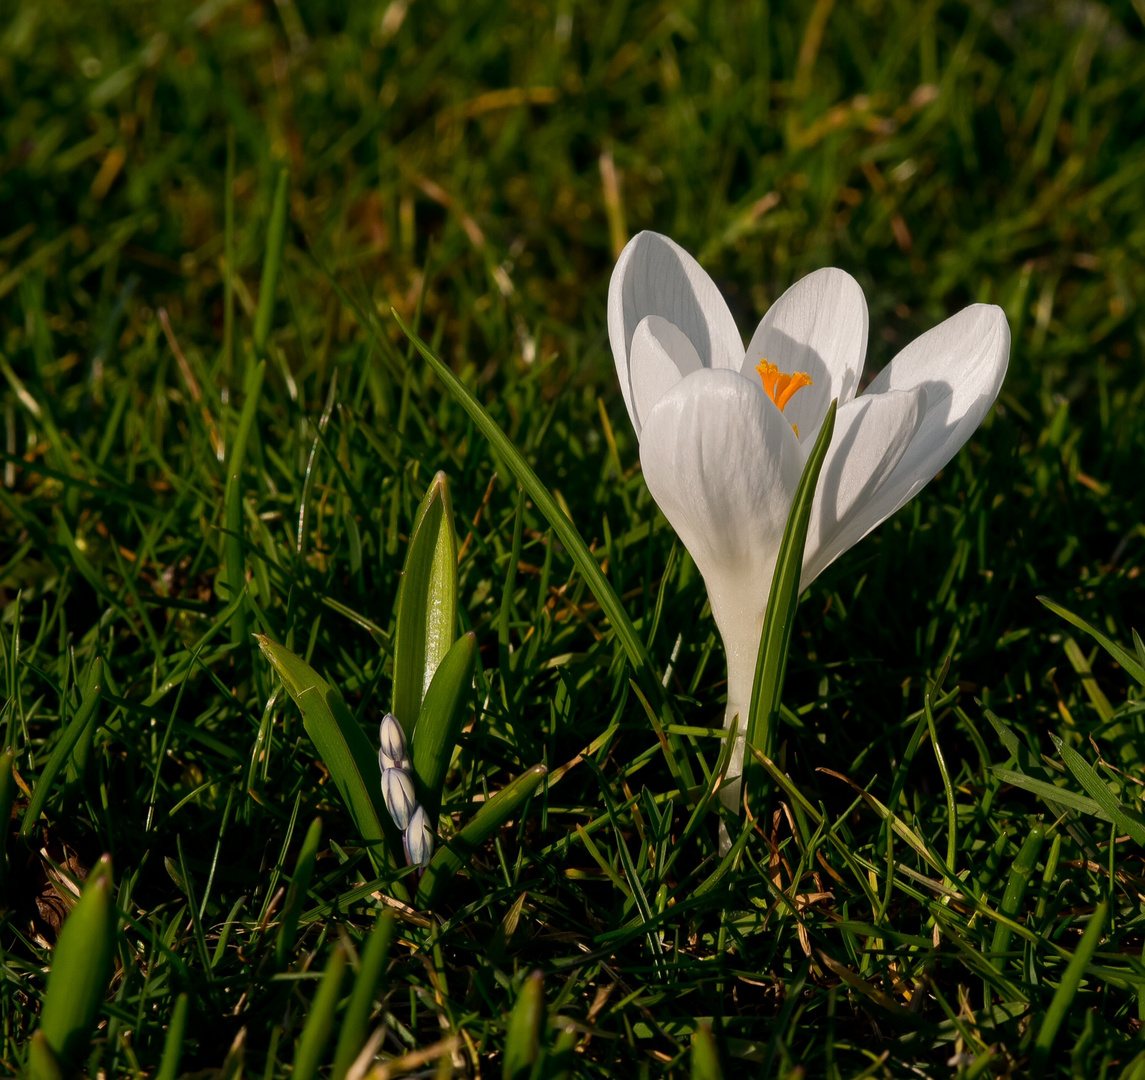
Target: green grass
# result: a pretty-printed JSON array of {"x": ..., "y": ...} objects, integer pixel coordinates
[{"x": 475, "y": 166}]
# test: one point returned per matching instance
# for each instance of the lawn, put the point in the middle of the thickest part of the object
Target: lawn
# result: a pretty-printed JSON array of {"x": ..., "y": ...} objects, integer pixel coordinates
[{"x": 215, "y": 219}]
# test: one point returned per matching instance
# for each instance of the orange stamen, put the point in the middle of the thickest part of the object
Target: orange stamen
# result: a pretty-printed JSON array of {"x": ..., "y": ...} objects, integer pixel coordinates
[{"x": 780, "y": 387}]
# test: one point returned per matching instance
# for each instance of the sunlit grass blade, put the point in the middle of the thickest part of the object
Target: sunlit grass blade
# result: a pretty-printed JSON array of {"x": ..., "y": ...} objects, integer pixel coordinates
[
  {"x": 578, "y": 550},
  {"x": 370, "y": 970},
  {"x": 705, "y": 1055},
  {"x": 7, "y": 797},
  {"x": 81, "y": 969},
  {"x": 1020, "y": 873},
  {"x": 173, "y": 1044},
  {"x": 320, "y": 1019},
  {"x": 234, "y": 545},
  {"x": 1053, "y": 795},
  {"x": 506, "y": 804},
  {"x": 523, "y": 1031},
  {"x": 1124, "y": 657},
  {"x": 778, "y": 620},
  {"x": 296, "y": 897},
  {"x": 427, "y": 603},
  {"x": 1124, "y": 819},
  {"x": 439, "y": 723},
  {"x": 504, "y": 628},
  {"x": 86, "y": 714},
  {"x": 346, "y": 752},
  {"x": 271, "y": 263},
  {"x": 1066, "y": 992}
]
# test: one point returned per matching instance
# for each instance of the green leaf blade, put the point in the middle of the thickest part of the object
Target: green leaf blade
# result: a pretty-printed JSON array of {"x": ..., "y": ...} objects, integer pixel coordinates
[
  {"x": 345, "y": 751},
  {"x": 427, "y": 603},
  {"x": 439, "y": 723}
]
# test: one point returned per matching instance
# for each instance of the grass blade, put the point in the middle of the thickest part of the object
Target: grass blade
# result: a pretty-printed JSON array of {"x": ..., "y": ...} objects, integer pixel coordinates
[
  {"x": 345, "y": 751},
  {"x": 1051, "y": 793},
  {"x": 320, "y": 1021},
  {"x": 296, "y": 898},
  {"x": 1123, "y": 819},
  {"x": 7, "y": 797},
  {"x": 234, "y": 545},
  {"x": 1020, "y": 874},
  {"x": 778, "y": 620},
  {"x": 173, "y": 1044},
  {"x": 1066, "y": 992},
  {"x": 81, "y": 969},
  {"x": 523, "y": 1032},
  {"x": 1125, "y": 658},
  {"x": 566, "y": 531},
  {"x": 86, "y": 714},
  {"x": 42, "y": 1064},
  {"x": 705, "y": 1055},
  {"x": 271, "y": 263},
  {"x": 427, "y": 603},
  {"x": 374, "y": 957},
  {"x": 492, "y": 815},
  {"x": 439, "y": 723}
]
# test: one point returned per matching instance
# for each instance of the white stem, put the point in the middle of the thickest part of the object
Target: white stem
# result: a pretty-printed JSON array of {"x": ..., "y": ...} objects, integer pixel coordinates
[{"x": 741, "y": 675}]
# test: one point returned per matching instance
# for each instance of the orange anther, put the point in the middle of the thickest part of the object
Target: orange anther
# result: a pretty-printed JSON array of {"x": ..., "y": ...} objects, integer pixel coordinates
[{"x": 780, "y": 387}]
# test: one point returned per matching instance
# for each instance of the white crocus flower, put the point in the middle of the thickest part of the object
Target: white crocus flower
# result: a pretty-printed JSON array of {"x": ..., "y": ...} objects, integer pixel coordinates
[{"x": 724, "y": 433}]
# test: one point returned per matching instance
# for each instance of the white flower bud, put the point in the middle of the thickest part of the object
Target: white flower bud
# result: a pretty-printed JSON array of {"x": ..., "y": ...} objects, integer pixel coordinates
[
  {"x": 393, "y": 743},
  {"x": 397, "y": 790},
  {"x": 418, "y": 839}
]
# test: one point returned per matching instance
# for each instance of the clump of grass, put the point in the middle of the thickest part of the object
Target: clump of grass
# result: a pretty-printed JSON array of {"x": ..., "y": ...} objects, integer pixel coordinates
[{"x": 212, "y": 428}]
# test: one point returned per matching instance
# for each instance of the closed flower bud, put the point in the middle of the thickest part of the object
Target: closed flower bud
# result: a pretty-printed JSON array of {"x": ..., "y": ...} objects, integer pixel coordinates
[
  {"x": 397, "y": 790},
  {"x": 418, "y": 839},
  {"x": 393, "y": 744}
]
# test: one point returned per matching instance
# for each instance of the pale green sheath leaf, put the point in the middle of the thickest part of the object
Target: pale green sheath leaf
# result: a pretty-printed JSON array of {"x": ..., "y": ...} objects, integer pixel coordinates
[
  {"x": 85, "y": 715},
  {"x": 345, "y": 751},
  {"x": 523, "y": 1034},
  {"x": 439, "y": 723},
  {"x": 774, "y": 642},
  {"x": 427, "y": 603},
  {"x": 499, "y": 809},
  {"x": 81, "y": 969}
]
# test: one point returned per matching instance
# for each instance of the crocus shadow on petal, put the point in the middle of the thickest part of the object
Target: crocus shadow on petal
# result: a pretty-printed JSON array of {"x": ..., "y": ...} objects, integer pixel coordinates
[
  {"x": 871, "y": 435},
  {"x": 722, "y": 463},
  {"x": 818, "y": 326},
  {"x": 655, "y": 276},
  {"x": 661, "y": 355},
  {"x": 960, "y": 365}
]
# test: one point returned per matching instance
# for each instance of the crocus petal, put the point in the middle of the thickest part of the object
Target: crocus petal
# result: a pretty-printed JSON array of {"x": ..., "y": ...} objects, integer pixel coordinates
[
  {"x": 871, "y": 435},
  {"x": 960, "y": 364},
  {"x": 655, "y": 276},
  {"x": 392, "y": 740},
  {"x": 818, "y": 326},
  {"x": 418, "y": 839},
  {"x": 661, "y": 355},
  {"x": 397, "y": 790},
  {"x": 722, "y": 463}
]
